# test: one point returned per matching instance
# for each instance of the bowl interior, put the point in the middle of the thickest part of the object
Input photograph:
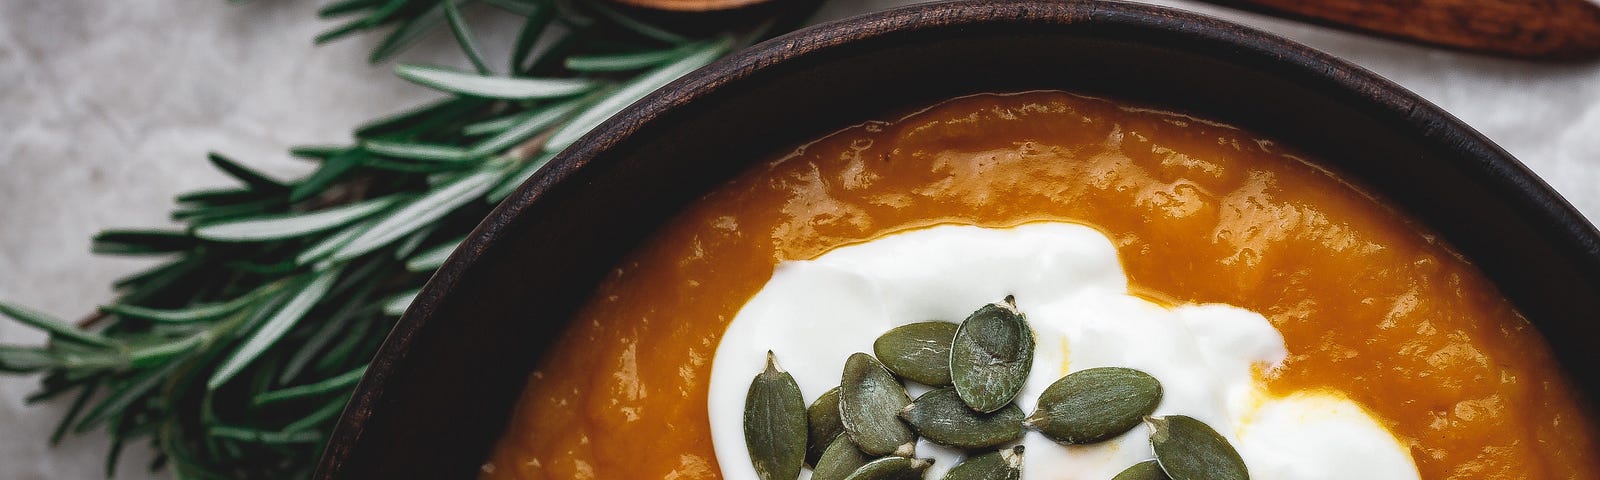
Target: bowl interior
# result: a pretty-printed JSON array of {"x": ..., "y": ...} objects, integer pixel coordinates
[{"x": 441, "y": 390}]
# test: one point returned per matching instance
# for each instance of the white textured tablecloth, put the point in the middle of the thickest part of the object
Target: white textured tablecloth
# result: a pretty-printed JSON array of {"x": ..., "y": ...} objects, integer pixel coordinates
[{"x": 107, "y": 109}]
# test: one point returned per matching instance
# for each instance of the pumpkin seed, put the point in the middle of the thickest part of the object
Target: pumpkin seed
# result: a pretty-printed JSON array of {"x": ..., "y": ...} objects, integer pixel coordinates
[
  {"x": 942, "y": 418},
  {"x": 1095, "y": 405},
  {"x": 991, "y": 355},
  {"x": 839, "y": 460},
  {"x": 919, "y": 352},
  {"x": 1188, "y": 449},
  {"x": 1005, "y": 464},
  {"x": 869, "y": 399},
  {"x": 775, "y": 423},
  {"x": 1146, "y": 470},
  {"x": 822, "y": 423},
  {"x": 892, "y": 468}
]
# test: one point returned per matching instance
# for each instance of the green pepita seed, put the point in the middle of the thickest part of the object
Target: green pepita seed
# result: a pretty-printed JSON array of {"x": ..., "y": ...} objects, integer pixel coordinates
[
  {"x": 775, "y": 423},
  {"x": 1095, "y": 405},
  {"x": 942, "y": 418},
  {"x": 1005, "y": 464},
  {"x": 1188, "y": 449},
  {"x": 869, "y": 400},
  {"x": 822, "y": 423},
  {"x": 892, "y": 468},
  {"x": 1146, "y": 470},
  {"x": 919, "y": 352},
  {"x": 839, "y": 460},
  {"x": 991, "y": 355}
]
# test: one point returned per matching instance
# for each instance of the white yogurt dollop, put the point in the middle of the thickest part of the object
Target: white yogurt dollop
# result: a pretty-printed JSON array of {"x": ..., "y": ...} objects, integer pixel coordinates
[{"x": 1068, "y": 282}]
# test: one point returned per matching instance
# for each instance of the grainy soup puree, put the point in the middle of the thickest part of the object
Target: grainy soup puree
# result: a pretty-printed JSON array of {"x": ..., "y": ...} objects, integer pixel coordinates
[{"x": 1275, "y": 317}]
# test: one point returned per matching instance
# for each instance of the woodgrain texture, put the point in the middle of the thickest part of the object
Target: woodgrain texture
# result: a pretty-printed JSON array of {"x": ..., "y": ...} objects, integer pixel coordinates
[{"x": 1535, "y": 29}]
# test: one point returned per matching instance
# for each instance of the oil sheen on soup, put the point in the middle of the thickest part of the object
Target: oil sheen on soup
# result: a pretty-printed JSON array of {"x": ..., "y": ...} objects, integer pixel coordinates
[{"x": 1369, "y": 304}]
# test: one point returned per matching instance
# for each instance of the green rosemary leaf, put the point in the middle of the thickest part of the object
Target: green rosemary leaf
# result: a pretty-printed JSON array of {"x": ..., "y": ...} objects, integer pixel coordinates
[
  {"x": 321, "y": 249},
  {"x": 339, "y": 354},
  {"x": 25, "y": 360},
  {"x": 413, "y": 166},
  {"x": 622, "y": 62},
  {"x": 52, "y": 385},
  {"x": 211, "y": 213},
  {"x": 563, "y": 42},
  {"x": 511, "y": 182},
  {"x": 160, "y": 461},
  {"x": 416, "y": 151},
  {"x": 423, "y": 211},
  {"x": 463, "y": 33},
  {"x": 515, "y": 6},
  {"x": 141, "y": 242},
  {"x": 256, "y": 180},
  {"x": 327, "y": 412},
  {"x": 525, "y": 129},
  {"x": 278, "y": 268},
  {"x": 571, "y": 15},
  {"x": 330, "y": 385},
  {"x": 85, "y": 361},
  {"x": 154, "y": 353},
  {"x": 396, "y": 305},
  {"x": 408, "y": 246},
  {"x": 434, "y": 257},
  {"x": 340, "y": 31},
  {"x": 317, "y": 152},
  {"x": 346, "y": 6},
  {"x": 407, "y": 34},
  {"x": 158, "y": 282},
  {"x": 496, "y": 125},
  {"x": 504, "y": 88},
  {"x": 220, "y": 196},
  {"x": 75, "y": 410},
  {"x": 197, "y": 313},
  {"x": 113, "y": 455},
  {"x": 264, "y": 436},
  {"x": 633, "y": 91},
  {"x": 291, "y": 225},
  {"x": 123, "y": 394},
  {"x": 446, "y": 107},
  {"x": 274, "y": 328},
  {"x": 55, "y": 327},
  {"x": 635, "y": 25},
  {"x": 532, "y": 29},
  {"x": 330, "y": 171},
  {"x": 325, "y": 334},
  {"x": 150, "y": 273}
]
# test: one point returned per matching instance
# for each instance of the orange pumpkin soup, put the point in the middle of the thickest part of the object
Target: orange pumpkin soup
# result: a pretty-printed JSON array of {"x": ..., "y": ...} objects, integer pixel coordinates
[{"x": 1369, "y": 304}]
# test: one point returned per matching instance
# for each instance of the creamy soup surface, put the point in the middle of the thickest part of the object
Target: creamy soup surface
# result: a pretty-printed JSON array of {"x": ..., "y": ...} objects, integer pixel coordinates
[{"x": 1369, "y": 305}]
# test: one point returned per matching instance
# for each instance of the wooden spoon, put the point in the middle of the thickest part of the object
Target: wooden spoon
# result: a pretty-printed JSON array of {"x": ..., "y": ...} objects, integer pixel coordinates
[{"x": 1533, "y": 29}]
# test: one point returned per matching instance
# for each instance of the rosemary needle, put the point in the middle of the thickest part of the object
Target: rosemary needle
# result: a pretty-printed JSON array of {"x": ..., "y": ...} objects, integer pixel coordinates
[{"x": 234, "y": 358}]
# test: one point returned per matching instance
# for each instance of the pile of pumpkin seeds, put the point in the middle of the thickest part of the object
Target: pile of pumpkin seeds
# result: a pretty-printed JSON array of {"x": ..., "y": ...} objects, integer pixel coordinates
[{"x": 867, "y": 427}]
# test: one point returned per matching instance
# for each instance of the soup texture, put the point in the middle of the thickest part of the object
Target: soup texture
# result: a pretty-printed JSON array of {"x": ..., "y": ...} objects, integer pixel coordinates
[{"x": 1370, "y": 305}]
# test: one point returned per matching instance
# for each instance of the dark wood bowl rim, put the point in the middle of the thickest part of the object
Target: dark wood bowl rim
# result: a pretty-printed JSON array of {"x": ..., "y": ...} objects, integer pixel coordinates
[{"x": 1574, "y": 234}]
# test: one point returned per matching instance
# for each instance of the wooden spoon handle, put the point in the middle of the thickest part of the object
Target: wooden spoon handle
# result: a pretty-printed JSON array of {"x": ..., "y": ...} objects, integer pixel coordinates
[{"x": 1536, "y": 29}]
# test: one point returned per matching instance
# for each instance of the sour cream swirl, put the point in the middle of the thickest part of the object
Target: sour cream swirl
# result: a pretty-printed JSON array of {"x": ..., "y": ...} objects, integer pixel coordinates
[{"x": 1069, "y": 283}]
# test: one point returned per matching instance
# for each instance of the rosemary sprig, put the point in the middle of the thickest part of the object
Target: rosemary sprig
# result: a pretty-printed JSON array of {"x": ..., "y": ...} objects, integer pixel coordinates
[{"x": 234, "y": 358}]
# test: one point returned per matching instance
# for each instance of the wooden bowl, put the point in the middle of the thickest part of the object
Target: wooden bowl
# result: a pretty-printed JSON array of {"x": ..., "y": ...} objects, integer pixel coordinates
[{"x": 440, "y": 391}]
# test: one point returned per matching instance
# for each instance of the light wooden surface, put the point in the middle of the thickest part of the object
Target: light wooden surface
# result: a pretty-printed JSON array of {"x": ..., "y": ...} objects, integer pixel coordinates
[
  {"x": 1559, "y": 29},
  {"x": 109, "y": 108}
]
